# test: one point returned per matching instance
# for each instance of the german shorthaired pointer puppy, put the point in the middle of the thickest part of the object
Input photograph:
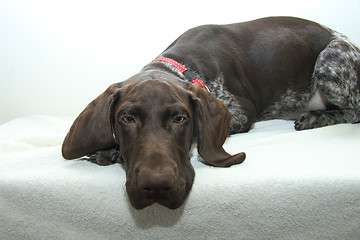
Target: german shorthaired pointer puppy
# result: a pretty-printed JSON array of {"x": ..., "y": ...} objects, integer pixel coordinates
[{"x": 278, "y": 67}]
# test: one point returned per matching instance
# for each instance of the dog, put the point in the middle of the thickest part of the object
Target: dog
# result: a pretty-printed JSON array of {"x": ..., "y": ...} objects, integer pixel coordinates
[{"x": 212, "y": 81}]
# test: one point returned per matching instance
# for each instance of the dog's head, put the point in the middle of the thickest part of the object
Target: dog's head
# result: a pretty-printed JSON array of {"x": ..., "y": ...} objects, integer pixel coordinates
[{"x": 153, "y": 122}]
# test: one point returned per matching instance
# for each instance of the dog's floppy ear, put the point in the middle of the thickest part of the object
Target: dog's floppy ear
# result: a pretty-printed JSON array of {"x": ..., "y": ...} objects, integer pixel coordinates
[
  {"x": 213, "y": 125},
  {"x": 91, "y": 130}
]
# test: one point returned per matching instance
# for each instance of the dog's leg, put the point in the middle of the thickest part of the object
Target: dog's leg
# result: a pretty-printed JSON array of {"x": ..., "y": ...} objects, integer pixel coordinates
[
  {"x": 105, "y": 157},
  {"x": 240, "y": 122},
  {"x": 336, "y": 77},
  {"x": 243, "y": 115}
]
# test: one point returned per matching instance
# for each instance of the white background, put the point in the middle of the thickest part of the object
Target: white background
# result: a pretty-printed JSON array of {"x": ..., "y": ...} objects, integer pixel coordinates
[{"x": 57, "y": 56}]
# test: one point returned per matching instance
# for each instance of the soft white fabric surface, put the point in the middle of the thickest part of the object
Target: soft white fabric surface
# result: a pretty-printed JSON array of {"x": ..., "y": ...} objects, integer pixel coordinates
[{"x": 292, "y": 185}]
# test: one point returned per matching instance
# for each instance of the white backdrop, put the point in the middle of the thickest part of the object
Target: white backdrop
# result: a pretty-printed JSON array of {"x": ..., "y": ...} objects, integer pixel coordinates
[{"x": 56, "y": 56}]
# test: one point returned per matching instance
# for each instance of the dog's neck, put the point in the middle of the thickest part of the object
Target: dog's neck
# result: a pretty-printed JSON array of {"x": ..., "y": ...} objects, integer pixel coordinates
[{"x": 180, "y": 70}]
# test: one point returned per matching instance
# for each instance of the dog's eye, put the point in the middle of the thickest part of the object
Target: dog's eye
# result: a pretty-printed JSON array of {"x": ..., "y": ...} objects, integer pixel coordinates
[
  {"x": 128, "y": 119},
  {"x": 179, "y": 119}
]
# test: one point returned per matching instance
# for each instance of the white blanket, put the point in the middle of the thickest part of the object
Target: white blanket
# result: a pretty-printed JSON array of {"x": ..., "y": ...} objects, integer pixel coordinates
[{"x": 292, "y": 185}]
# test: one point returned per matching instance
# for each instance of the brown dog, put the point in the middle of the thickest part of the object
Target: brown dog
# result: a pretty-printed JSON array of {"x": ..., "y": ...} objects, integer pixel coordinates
[{"x": 268, "y": 68}]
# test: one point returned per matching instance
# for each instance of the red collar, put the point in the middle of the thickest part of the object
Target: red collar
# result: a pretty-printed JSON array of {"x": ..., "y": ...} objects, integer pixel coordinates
[{"x": 187, "y": 73}]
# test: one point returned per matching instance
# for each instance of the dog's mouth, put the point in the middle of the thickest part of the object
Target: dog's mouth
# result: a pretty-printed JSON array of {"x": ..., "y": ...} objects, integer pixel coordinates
[{"x": 170, "y": 198}]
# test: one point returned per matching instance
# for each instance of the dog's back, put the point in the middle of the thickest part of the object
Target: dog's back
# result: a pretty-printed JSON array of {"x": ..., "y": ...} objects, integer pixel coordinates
[{"x": 269, "y": 68}]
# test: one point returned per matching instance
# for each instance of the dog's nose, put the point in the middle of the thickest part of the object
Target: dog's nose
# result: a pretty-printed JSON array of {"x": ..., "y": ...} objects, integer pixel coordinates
[{"x": 156, "y": 183}]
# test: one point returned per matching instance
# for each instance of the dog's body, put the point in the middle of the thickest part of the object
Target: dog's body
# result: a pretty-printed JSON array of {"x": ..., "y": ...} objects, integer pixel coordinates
[{"x": 269, "y": 68}]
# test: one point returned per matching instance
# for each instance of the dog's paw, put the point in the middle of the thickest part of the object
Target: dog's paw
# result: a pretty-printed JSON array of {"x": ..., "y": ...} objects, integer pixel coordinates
[
  {"x": 314, "y": 119},
  {"x": 104, "y": 158}
]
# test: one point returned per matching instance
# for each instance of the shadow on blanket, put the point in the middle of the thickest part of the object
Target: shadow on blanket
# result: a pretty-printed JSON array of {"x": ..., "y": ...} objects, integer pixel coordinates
[{"x": 156, "y": 215}]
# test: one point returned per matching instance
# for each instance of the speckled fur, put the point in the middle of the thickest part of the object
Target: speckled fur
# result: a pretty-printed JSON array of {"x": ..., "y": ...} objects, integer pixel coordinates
[
  {"x": 239, "y": 120},
  {"x": 289, "y": 106},
  {"x": 336, "y": 75},
  {"x": 336, "y": 78}
]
